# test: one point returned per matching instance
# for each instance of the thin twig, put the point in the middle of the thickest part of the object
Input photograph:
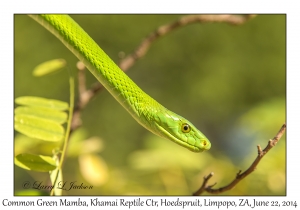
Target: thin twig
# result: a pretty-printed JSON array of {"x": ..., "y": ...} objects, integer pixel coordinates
[
  {"x": 203, "y": 186},
  {"x": 240, "y": 176}
]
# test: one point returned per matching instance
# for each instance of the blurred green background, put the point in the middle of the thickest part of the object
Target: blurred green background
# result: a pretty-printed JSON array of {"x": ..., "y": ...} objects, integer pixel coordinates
[{"x": 229, "y": 81}]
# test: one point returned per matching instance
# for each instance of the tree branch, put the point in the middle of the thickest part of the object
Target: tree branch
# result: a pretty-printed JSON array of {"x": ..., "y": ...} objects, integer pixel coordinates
[
  {"x": 240, "y": 176},
  {"x": 141, "y": 50},
  {"x": 85, "y": 95}
]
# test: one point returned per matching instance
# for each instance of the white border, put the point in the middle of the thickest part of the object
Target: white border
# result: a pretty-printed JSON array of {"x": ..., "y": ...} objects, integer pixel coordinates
[{"x": 153, "y": 6}]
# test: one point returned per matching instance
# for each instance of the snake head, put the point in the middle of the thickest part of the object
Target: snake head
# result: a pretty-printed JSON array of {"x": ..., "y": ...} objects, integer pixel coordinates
[{"x": 179, "y": 130}]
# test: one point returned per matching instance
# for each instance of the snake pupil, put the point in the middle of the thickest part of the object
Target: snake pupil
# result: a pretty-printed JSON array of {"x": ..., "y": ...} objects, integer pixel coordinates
[{"x": 185, "y": 128}]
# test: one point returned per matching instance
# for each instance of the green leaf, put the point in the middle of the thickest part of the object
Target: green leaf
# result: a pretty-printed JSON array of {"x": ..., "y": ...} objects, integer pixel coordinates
[
  {"x": 42, "y": 102},
  {"x": 44, "y": 113},
  {"x": 48, "y": 67},
  {"x": 35, "y": 162},
  {"x": 24, "y": 143},
  {"x": 38, "y": 128}
]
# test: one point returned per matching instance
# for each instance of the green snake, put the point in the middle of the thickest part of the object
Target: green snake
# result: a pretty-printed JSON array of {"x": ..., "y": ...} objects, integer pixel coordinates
[{"x": 144, "y": 109}]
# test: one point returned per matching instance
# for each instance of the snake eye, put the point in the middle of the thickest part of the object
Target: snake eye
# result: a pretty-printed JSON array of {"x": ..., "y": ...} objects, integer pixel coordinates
[{"x": 185, "y": 128}]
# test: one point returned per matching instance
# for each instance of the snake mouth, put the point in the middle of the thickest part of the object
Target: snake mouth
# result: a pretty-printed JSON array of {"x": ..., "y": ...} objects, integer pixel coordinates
[{"x": 166, "y": 134}]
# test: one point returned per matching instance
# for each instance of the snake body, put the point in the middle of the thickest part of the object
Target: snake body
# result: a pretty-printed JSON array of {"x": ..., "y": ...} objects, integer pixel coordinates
[{"x": 144, "y": 109}]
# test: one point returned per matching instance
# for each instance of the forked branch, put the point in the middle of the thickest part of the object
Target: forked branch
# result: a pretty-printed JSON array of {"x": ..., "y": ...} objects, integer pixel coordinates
[{"x": 261, "y": 153}]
